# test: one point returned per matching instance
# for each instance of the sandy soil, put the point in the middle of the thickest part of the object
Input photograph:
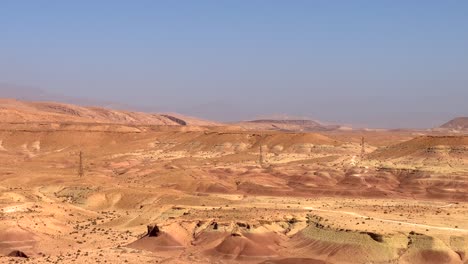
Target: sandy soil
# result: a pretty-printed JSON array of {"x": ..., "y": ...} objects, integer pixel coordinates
[{"x": 220, "y": 195}]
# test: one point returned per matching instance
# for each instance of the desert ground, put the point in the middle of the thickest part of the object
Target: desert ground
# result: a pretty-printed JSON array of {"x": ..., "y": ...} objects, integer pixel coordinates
[{"x": 212, "y": 193}]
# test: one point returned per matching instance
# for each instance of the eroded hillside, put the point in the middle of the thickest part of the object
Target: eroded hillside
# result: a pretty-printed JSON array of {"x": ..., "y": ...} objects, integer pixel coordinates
[{"x": 187, "y": 194}]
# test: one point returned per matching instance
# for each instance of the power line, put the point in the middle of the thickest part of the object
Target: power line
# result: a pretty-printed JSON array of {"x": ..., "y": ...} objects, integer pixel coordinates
[
  {"x": 80, "y": 168},
  {"x": 363, "y": 148}
]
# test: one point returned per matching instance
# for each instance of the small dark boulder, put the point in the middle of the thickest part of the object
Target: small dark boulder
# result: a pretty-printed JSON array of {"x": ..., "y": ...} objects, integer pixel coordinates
[
  {"x": 153, "y": 231},
  {"x": 17, "y": 254}
]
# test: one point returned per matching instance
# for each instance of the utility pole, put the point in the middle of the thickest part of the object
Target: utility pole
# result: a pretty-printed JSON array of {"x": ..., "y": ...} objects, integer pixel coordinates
[
  {"x": 80, "y": 168},
  {"x": 261, "y": 156},
  {"x": 363, "y": 148}
]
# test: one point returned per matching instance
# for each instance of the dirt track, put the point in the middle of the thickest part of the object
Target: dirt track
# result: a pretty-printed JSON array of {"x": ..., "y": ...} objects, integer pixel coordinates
[{"x": 214, "y": 202}]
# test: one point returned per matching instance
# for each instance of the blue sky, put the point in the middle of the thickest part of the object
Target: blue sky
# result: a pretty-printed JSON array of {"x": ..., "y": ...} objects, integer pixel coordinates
[{"x": 370, "y": 63}]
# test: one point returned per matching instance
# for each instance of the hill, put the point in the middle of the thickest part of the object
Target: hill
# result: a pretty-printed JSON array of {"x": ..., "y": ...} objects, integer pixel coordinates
[
  {"x": 14, "y": 111},
  {"x": 459, "y": 123},
  {"x": 441, "y": 153},
  {"x": 423, "y": 146},
  {"x": 298, "y": 125}
]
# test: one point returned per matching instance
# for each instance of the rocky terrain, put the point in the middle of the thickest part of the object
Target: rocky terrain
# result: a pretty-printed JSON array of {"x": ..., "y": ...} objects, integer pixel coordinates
[{"x": 144, "y": 191}]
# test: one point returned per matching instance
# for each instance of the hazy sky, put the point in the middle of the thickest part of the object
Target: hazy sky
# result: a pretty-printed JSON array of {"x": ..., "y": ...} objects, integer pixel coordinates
[{"x": 375, "y": 63}]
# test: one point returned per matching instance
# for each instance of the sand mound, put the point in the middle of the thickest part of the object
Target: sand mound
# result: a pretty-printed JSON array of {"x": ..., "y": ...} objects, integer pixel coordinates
[
  {"x": 237, "y": 246},
  {"x": 209, "y": 239},
  {"x": 156, "y": 240},
  {"x": 154, "y": 244}
]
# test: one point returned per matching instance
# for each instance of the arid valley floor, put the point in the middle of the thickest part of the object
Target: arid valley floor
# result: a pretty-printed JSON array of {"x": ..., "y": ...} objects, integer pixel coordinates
[{"x": 225, "y": 194}]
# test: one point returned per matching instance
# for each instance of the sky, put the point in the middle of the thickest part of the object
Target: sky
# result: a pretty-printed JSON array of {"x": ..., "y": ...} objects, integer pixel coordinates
[{"x": 367, "y": 63}]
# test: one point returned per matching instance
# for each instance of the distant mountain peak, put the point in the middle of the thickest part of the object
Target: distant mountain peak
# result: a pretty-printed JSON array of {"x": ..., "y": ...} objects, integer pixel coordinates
[{"x": 459, "y": 123}]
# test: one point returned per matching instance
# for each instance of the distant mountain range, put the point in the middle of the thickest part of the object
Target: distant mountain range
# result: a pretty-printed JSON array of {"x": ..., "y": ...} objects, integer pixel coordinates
[
  {"x": 19, "y": 111},
  {"x": 287, "y": 125},
  {"x": 14, "y": 111},
  {"x": 35, "y": 105}
]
